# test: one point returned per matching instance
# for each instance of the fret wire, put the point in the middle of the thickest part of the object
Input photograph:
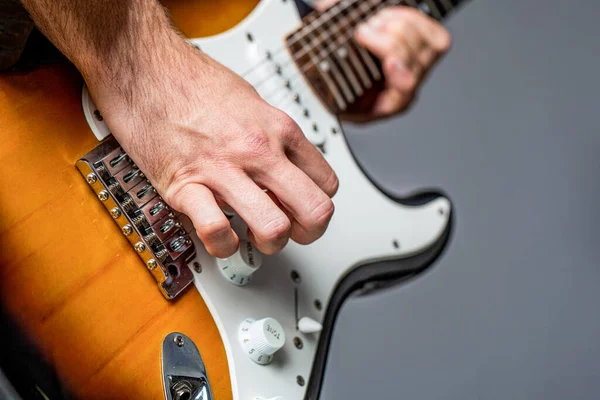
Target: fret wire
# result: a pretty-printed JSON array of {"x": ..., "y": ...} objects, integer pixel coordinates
[
  {"x": 333, "y": 9},
  {"x": 338, "y": 77},
  {"x": 367, "y": 57},
  {"x": 352, "y": 14},
  {"x": 332, "y": 88},
  {"x": 434, "y": 10},
  {"x": 289, "y": 42},
  {"x": 350, "y": 54},
  {"x": 362, "y": 73},
  {"x": 355, "y": 16}
]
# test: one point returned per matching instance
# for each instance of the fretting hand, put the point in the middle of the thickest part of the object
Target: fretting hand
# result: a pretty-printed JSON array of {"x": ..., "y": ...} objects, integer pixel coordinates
[{"x": 408, "y": 44}]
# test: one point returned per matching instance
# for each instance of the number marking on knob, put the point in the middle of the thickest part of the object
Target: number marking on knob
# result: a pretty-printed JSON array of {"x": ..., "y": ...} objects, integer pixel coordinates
[{"x": 261, "y": 339}]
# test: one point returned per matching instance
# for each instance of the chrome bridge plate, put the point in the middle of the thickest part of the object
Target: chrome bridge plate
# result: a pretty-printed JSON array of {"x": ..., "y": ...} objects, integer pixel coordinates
[{"x": 158, "y": 234}]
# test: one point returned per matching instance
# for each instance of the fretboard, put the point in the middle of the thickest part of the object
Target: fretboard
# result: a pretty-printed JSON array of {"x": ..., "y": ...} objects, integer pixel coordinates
[{"x": 342, "y": 73}]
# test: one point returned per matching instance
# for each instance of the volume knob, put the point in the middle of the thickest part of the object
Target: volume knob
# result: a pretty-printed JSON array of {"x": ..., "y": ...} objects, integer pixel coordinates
[
  {"x": 261, "y": 339},
  {"x": 238, "y": 268}
]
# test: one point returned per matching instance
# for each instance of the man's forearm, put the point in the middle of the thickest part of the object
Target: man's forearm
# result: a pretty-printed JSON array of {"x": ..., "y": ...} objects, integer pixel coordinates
[{"x": 107, "y": 40}]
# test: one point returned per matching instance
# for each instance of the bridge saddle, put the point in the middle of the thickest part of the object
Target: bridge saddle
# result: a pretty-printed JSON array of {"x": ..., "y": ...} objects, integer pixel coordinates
[{"x": 157, "y": 233}]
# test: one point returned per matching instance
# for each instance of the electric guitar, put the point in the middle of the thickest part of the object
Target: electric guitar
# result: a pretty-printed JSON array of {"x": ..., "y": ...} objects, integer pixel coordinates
[{"x": 248, "y": 327}]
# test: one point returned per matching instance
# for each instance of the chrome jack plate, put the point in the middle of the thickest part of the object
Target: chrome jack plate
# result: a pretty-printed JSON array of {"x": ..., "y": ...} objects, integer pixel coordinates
[{"x": 183, "y": 371}]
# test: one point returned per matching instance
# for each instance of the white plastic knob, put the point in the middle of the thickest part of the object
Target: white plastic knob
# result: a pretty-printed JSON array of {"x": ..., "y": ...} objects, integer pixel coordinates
[
  {"x": 238, "y": 268},
  {"x": 261, "y": 339}
]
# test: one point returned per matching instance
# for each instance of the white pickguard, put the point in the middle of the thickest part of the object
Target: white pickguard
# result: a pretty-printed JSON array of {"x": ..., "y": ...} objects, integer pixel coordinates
[{"x": 364, "y": 227}]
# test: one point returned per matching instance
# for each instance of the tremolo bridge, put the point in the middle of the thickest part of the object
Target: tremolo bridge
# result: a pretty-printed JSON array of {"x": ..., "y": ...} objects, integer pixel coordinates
[{"x": 156, "y": 232}]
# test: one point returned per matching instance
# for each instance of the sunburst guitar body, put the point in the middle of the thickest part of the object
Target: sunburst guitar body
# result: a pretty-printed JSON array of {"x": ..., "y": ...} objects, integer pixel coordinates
[{"x": 73, "y": 282}]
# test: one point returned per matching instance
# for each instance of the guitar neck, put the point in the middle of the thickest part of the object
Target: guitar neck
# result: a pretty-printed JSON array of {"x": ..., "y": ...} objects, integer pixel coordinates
[
  {"x": 343, "y": 74},
  {"x": 354, "y": 11}
]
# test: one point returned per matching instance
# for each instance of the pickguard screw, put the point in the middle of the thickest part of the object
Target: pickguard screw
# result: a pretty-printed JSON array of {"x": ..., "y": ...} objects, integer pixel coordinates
[
  {"x": 197, "y": 267},
  {"x": 91, "y": 178},
  {"x": 395, "y": 244},
  {"x": 315, "y": 127},
  {"x": 151, "y": 264},
  {"x": 127, "y": 230},
  {"x": 295, "y": 276},
  {"x": 318, "y": 305},
  {"x": 140, "y": 247},
  {"x": 306, "y": 113},
  {"x": 300, "y": 380},
  {"x": 115, "y": 212},
  {"x": 97, "y": 115},
  {"x": 334, "y": 131},
  {"x": 179, "y": 341},
  {"x": 103, "y": 195},
  {"x": 441, "y": 211},
  {"x": 298, "y": 343}
]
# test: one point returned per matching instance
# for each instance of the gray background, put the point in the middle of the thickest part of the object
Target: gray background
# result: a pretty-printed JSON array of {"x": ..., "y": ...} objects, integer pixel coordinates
[{"x": 507, "y": 126}]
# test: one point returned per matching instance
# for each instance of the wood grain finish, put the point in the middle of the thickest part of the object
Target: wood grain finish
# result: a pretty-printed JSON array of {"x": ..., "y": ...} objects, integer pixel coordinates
[{"x": 68, "y": 277}]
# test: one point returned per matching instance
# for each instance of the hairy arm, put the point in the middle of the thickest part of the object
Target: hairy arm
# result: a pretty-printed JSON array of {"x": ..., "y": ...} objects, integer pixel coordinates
[
  {"x": 201, "y": 134},
  {"x": 108, "y": 40}
]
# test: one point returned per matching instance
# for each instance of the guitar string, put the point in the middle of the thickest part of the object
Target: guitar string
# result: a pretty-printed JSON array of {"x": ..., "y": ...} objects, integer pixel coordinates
[
  {"x": 290, "y": 42},
  {"x": 328, "y": 50},
  {"x": 347, "y": 4},
  {"x": 324, "y": 53},
  {"x": 309, "y": 65}
]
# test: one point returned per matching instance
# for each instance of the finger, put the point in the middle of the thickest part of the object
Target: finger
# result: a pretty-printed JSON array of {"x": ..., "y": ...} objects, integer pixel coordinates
[
  {"x": 212, "y": 226},
  {"x": 269, "y": 226},
  {"x": 406, "y": 69},
  {"x": 392, "y": 101},
  {"x": 400, "y": 27},
  {"x": 381, "y": 43},
  {"x": 306, "y": 157},
  {"x": 407, "y": 34},
  {"x": 322, "y": 5},
  {"x": 437, "y": 37},
  {"x": 308, "y": 204},
  {"x": 298, "y": 233}
]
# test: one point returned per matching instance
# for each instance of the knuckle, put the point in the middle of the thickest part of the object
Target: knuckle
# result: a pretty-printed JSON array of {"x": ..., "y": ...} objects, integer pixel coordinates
[
  {"x": 255, "y": 144},
  {"x": 215, "y": 231},
  {"x": 277, "y": 230},
  {"x": 287, "y": 128},
  {"x": 331, "y": 184},
  {"x": 323, "y": 213},
  {"x": 443, "y": 41},
  {"x": 177, "y": 184}
]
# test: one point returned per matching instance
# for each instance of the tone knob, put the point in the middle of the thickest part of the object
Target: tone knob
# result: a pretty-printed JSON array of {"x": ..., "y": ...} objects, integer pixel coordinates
[
  {"x": 239, "y": 267},
  {"x": 261, "y": 339}
]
